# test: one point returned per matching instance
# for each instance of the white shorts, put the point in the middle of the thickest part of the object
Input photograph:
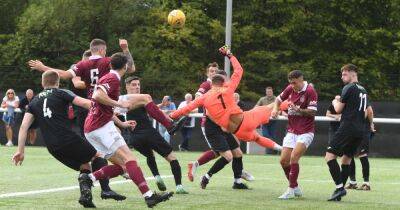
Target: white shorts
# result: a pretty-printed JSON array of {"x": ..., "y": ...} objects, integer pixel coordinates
[
  {"x": 106, "y": 140},
  {"x": 291, "y": 139}
]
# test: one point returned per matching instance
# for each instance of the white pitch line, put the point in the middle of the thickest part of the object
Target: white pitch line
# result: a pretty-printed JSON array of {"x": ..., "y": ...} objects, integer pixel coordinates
[{"x": 35, "y": 192}]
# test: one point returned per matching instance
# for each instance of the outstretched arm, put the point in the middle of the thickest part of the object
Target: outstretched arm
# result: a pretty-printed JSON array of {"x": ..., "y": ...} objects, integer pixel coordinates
[
  {"x": 39, "y": 66},
  {"x": 123, "y": 43},
  {"x": 187, "y": 109},
  {"x": 237, "y": 68}
]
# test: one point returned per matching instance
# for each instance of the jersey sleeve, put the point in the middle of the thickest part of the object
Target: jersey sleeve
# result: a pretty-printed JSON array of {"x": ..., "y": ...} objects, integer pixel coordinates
[
  {"x": 285, "y": 93},
  {"x": 237, "y": 74},
  {"x": 188, "y": 108},
  {"x": 106, "y": 85},
  {"x": 78, "y": 69},
  {"x": 346, "y": 92},
  {"x": 67, "y": 95},
  {"x": 204, "y": 87},
  {"x": 312, "y": 99}
]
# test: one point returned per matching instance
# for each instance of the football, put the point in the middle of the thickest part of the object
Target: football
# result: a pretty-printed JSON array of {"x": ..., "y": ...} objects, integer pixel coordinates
[{"x": 176, "y": 18}]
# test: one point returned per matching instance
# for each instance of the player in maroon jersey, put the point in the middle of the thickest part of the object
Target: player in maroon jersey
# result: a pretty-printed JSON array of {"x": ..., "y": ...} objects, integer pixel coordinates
[
  {"x": 102, "y": 133},
  {"x": 97, "y": 66},
  {"x": 302, "y": 99}
]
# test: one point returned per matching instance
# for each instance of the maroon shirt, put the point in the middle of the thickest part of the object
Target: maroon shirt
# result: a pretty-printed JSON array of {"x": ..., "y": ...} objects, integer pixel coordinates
[
  {"x": 305, "y": 99},
  {"x": 91, "y": 71},
  {"x": 100, "y": 114},
  {"x": 203, "y": 89}
]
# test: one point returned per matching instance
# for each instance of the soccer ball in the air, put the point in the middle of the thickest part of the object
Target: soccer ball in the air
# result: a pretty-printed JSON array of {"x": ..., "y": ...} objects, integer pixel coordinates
[{"x": 176, "y": 18}]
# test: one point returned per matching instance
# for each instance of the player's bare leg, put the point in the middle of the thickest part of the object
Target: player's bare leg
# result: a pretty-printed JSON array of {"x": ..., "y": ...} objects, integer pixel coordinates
[{"x": 146, "y": 101}]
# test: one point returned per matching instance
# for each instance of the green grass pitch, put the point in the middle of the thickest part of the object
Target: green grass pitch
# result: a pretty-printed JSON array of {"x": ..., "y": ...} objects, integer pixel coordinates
[{"x": 40, "y": 171}]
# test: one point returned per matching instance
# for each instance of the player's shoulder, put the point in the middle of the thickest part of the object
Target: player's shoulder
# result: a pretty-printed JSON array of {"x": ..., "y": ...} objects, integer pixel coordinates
[
  {"x": 105, "y": 59},
  {"x": 310, "y": 89}
]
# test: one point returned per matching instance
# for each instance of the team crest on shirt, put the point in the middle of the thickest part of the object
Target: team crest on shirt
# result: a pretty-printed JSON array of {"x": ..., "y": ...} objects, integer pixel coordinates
[
  {"x": 106, "y": 85},
  {"x": 313, "y": 103},
  {"x": 302, "y": 99}
]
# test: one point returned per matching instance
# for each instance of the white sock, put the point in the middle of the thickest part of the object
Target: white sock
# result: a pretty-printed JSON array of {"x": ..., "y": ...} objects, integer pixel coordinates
[
  {"x": 92, "y": 177},
  {"x": 148, "y": 194},
  {"x": 339, "y": 186},
  {"x": 277, "y": 147},
  {"x": 352, "y": 182},
  {"x": 367, "y": 183},
  {"x": 207, "y": 176},
  {"x": 196, "y": 163},
  {"x": 238, "y": 181},
  {"x": 179, "y": 186}
]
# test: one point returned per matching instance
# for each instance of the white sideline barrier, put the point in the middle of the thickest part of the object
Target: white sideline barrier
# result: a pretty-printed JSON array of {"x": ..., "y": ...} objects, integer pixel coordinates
[{"x": 16, "y": 110}]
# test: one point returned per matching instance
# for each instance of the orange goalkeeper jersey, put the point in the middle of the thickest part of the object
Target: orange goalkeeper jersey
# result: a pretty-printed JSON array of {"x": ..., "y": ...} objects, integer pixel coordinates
[{"x": 219, "y": 101}]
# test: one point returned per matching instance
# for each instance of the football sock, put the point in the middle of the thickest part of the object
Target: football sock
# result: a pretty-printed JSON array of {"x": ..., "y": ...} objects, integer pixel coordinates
[
  {"x": 136, "y": 175},
  {"x": 108, "y": 172},
  {"x": 218, "y": 165},
  {"x": 151, "y": 162},
  {"x": 206, "y": 157},
  {"x": 176, "y": 171},
  {"x": 237, "y": 167},
  {"x": 97, "y": 164},
  {"x": 155, "y": 112},
  {"x": 345, "y": 173},
  {"x": 352, "y": 171},
  {"x": 294, "y": 174},
  {"x": 286, "y": 169},
  {"x": 365, "y": 168},
  {"x": 334, "y": 169}
]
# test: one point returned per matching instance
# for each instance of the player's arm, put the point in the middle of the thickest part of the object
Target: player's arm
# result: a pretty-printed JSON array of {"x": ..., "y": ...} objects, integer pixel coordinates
[
  {"x": 305, "y": 112},
  {"x": 187, "y": 109},
  {"x": 237, "y": 68},
  {"x": 78, "y": 83},
  {"x": 124, "y": 124},
  {"x": 82, "y": 102},
  {"x": 370, "y": 117},
  {"x": 278, "y": 101},
  {"x": 101, "y": 96},
  {"x": 311, "y": 109},
  {"x": 23, "y": 132},
  {"x": 39, "y": 66},
  {"x": 123, "y": 43}
]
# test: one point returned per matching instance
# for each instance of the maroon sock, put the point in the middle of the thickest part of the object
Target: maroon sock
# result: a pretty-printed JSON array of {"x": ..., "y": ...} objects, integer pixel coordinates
[
  {"x": 157, "y": 114},
  {"x": 287, "y": 171},
  {"x": 108, "y": 172},
  {"x": 294, "y": 173},
  {"x": 206, "y": 157},
  {"x": 135, "y": 173}
]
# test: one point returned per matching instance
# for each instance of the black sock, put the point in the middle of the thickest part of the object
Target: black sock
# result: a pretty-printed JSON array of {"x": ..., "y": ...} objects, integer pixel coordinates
[
  {"x": 151, "y": 162},
  {"x": 237, "y": 167},
  {"x": 352, "y": 170},
  {"x": 176, "y": 171},
  {"x": 334, "y": 169},
  {"x": 218, "y": 165},
  {"x": 345, "y": 173},
  {"x": 365, "y": 168},
  {"x": 97, "y": 164},
  {"x": 85, "y": 171}
]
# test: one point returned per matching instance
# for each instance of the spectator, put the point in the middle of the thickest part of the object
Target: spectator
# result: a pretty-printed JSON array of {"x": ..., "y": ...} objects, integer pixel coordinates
[
  {"x": 333, "y": 125},
  {"x": 188, "y": 126},
  {"x": 240, "y": 103},
  {"x": 23, "y": 106},
  {"x": 268, "y": 130},
  {"x": 167, "y": 106},
  {"x": 10, "y": 102}
]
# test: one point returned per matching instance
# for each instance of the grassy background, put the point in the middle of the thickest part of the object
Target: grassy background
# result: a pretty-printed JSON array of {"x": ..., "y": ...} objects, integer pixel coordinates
[{"x": 41, "y": 171}]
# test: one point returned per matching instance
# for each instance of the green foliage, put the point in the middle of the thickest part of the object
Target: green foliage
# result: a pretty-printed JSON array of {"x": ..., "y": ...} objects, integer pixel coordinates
[{"x": 270, "y": 38}]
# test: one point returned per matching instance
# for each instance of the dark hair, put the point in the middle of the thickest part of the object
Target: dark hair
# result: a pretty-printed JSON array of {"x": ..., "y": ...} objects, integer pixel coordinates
[
  {"x": 95, "y": 44},
  {"x": 218, "y": 79},
  {"x": 131, "y": 78},
  {"x": 87, "y": 53},
  {"x": 269, "y": 87},
  {"x": 118, "y": 61},
  {"x": 220, "y": 71},
  {"x": 295, "y": 74},
  {"x": 213, "y": 64},
  {"x": 349, "y": 67}
]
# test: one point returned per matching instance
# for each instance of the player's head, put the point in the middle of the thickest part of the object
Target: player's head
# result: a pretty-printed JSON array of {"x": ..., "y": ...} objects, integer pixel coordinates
[
  {"x": 29, "y": 94},
  {"x": 132, "y": 85},
  {"x": 86, "y": 55},
  {"x": 237, "y": 97},
  {"x": 219, "y": 78},
  {"x": 296, "y": 79},
  {"x": 98, "y": 47},
  {"x": 119, "y": 62},
  {"x": 211, "y": 69},
  {"x": 188, "y": 97},
  {"x": 50, "y": 79},
  {"x": 269, "y": 91},
  {"x": 349, "y": 73}
]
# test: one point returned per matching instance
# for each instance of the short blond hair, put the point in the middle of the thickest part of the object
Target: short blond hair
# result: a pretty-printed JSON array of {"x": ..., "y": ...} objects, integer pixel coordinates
[{"x": 50, "y": 79}]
